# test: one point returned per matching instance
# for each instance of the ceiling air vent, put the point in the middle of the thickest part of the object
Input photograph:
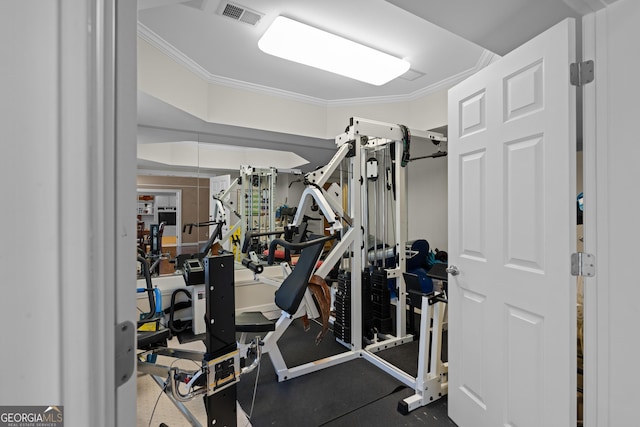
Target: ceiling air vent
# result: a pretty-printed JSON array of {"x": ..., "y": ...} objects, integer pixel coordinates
[{"x": 240, "y": 13}]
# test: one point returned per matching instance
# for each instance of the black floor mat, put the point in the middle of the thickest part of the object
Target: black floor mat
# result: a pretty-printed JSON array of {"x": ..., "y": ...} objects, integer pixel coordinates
[
  {"x": 383, "y": 413},
  {"x": 316, "y": 398},
  {"x": 351, "y": 393}
]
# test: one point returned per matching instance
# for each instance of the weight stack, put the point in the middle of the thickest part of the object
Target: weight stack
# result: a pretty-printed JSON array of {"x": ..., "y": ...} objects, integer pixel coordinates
[
  {"x": 342, "y": 305},
  {"x": 368, "y": 327},
  {"x": 381, "y": 302}
]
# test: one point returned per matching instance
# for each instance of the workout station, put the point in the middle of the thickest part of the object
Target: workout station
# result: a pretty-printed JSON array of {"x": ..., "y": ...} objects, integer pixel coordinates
[
  {"x": 349, "y": 284},
  {"x": 320, "y": 213}
]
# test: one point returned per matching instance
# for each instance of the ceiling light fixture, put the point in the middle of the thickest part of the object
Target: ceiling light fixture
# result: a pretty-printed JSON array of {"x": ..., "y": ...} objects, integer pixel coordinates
[{"x": 294, "y": 41}]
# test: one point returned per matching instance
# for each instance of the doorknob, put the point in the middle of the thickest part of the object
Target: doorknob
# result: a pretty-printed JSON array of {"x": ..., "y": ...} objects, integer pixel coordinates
[{"x": 453, "y": 270}]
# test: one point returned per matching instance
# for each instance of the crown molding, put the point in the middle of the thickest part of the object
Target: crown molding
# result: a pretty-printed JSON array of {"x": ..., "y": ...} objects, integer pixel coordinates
[
  {"x": 146, "y": 34},
  {"x": 485, "y": 59},
  {"x": 584, "y": 7},
  {"x": 168, "y": 49}
]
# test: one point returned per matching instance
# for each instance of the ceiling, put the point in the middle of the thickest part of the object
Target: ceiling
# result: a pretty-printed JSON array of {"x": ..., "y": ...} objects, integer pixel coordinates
[
  {"x": 228, "y": 49},
  {"x": 433, "y": 35}
]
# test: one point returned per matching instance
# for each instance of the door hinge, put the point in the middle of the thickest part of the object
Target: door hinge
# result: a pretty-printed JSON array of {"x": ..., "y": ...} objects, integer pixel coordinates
[
  {"x": 583, "y": 264},
  {"x": 125, "y": 342},
  {"x": 581, "y": 73}
]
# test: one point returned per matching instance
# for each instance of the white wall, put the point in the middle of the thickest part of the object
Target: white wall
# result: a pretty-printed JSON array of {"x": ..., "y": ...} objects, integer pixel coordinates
[
  {"x": 255, "y": 110},
  {"x": 427, "y": 193},
  {"x": 165, "y": 79},
  {"x": 162, "y": 77},
  {"x": 30, "y": 308}
]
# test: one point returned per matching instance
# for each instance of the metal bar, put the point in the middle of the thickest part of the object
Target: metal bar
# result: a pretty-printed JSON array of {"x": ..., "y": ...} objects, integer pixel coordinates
[
  {"x": 272, "y": 198},
  {"x": 375, "y": 218},
  {"x": 388, "y": 342},
  {"x": 390, "y": 131},
  {"x": 390, "y": 369},
  {"x": 180, "y": 354},
  {"x": 320, "y": 176},
  {"x": 331, "y": 212},
  {"x": 384, "y": 195},
  {"x": 336, "y": 253},
  {"x": 153, "y": 369},
  {"x": 225, "y": 193},
  {"x": 183, "y": 409},
  {"x": 358, "y": 258},
  {"x": 436, "y": 340},
  {"x": 401, "y": 241},
  {"x": 317, "y": 365},
  {"x": 425, "y": 343},
  {"x": 232, "y": 230}
]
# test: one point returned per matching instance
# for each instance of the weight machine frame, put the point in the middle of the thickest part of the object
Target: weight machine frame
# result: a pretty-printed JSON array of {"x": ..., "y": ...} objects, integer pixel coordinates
[{"x": 361, "y": 138}]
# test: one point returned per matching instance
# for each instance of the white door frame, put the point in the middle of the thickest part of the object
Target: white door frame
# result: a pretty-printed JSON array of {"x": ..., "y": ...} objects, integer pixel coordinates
[
  {"x": 173, "y": 192},
  {"x": 603, "y": 388},
  {"x": 593, "y": 385},
  {"x": 97, "y": 110},
  {"x": 124, "y": 59}
]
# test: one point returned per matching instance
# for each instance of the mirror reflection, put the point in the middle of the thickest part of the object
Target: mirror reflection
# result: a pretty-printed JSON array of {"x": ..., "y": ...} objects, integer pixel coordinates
[
  {"x": 182, "y": 196},
  {"x": 169, "y": 197}
]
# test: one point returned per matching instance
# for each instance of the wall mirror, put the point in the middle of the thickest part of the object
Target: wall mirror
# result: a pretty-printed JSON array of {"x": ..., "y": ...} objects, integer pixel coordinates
[
  {"x": 179, "y": 172},
  {"x": 172, "y": 193}
]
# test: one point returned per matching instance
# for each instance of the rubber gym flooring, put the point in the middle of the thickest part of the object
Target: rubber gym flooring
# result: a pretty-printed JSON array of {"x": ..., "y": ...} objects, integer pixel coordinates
[{"x": 354, "y": 393}]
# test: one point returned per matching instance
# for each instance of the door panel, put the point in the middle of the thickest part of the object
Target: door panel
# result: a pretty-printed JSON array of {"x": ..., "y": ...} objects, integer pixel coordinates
[{"x": 512, "y": 229}]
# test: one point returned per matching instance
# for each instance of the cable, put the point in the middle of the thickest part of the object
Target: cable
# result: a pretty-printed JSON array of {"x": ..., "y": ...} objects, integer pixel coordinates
[
  {"x": 255, "y": 385},
  {"x": 395, "y": 390},
  {"x": 175, "y": 329},
  {"x": 158, "y": 399},
  {"x": 255, "y": 389}
]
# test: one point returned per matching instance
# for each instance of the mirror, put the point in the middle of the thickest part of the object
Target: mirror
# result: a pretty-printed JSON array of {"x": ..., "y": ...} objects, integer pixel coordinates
[
  {"x": 172, "y": 193},
  {"x": 175, "y": 170}
]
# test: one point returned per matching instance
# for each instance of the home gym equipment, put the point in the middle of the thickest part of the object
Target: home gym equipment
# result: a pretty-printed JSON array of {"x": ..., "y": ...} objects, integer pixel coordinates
[
  {"x": 155, "y": 335},
  {"x": 255, "y": 208},
  {"x": 220, "y": 366},
  {"x": 371, "y": 249},
  {"x": 292, "y": 297},
  {"x": 155, "y": 254},
  {"x": 193, "y": 272},
  {"x": 432, "y": 378}
]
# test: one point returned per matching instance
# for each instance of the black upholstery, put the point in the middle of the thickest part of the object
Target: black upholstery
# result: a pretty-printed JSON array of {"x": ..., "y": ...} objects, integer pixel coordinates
[
  {"x": 253, "y": 321},
  {"x": 152, "y": 339},
  {"x": 290, "y": 293},
  {"x": 438, "y": 271}
]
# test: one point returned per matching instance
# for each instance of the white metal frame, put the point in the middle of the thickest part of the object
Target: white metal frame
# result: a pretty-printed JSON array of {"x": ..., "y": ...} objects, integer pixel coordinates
[
  {"x": 246, "y": 193},
  {"x": 364, "y": 135},
  {"x": 431, "y": 383}
]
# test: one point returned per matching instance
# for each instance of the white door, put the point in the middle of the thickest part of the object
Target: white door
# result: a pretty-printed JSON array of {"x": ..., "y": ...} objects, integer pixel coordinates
[
  {"x": 512, "y": 319},
  {"x": 217, "y": 185}
]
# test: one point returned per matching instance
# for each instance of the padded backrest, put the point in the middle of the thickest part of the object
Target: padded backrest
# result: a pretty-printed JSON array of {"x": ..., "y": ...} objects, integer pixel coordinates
[
  {"x": 412, "y": 281},
  {"x": 290, "y": 293}
]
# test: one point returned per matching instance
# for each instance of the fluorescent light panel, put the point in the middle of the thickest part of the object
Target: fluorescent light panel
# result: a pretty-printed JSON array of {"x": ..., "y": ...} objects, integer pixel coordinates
[{"x": 294, "y": 41}]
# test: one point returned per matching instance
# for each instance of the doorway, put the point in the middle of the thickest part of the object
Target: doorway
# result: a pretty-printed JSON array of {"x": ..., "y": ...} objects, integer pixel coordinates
[{"x": 159, "y": 208}]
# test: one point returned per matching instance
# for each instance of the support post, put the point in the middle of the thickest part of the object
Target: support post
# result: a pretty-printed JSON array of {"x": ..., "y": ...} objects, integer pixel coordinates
[{"x": 221, "y": 337}]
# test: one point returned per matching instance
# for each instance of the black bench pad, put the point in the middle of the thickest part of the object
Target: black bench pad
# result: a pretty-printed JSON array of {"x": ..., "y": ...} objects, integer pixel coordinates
[{"x": 254, "y": 321}]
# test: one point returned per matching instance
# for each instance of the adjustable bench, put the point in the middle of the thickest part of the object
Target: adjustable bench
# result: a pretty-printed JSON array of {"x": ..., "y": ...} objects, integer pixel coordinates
[{"x": 288, "y": 298}]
